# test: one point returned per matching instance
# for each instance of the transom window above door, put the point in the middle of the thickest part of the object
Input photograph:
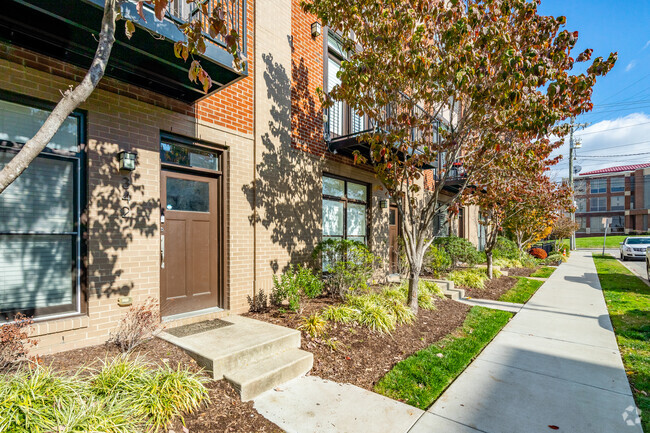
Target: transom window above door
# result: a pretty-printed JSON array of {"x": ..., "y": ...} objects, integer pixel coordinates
[{"x": 345, "y": 209}]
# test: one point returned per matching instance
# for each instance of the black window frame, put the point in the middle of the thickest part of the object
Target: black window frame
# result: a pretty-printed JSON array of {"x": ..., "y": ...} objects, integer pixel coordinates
[
  {"x": 79, "y": 235},
  {"x": 345, "y": 200}
]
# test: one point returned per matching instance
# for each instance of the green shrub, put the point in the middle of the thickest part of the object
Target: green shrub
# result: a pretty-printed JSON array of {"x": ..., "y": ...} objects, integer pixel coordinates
[
  {"x": 349, "y": 265},
  {"x": 508, "y": 263},
  {"x": 158, "y": 395},
  {"x": 460, "y": 250},
  {"x": 473, "y": 278},
  {"x": 554, "y": 258},
  {"x": 505, "y": 249},
  {"x": 292, "y": 284},
  {"x": 339, "y": 314},
  {"x": 436, "y": 261},
  {"x": 314, "y": 325}
]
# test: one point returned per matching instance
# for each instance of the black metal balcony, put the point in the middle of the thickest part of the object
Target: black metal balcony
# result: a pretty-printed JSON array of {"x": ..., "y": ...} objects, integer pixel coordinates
[{"x": 67, "y": 30}]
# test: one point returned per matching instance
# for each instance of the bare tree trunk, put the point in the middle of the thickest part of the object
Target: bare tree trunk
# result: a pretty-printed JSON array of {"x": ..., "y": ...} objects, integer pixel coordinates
[
  {"x": 72, "y": 98},
  {"x": 488, "y": 255},
  {"x": 414, "y": 281}
]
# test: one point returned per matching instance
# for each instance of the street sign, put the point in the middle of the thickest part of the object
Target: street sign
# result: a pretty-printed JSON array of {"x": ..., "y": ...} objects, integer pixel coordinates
[{"x": 607, "y": 221}]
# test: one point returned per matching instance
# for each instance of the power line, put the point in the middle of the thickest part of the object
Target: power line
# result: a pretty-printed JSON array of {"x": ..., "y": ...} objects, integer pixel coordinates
[
  {"x": 612, "y": 129},
  {"x": 616, "y": 156}
]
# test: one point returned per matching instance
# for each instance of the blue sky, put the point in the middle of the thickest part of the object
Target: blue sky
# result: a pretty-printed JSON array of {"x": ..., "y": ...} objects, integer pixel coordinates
[{"x": 622, "y": 99}]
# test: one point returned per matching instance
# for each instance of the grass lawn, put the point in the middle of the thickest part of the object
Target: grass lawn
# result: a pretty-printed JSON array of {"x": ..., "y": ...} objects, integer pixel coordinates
[
  {"x": 523, "y": 290},
  {"x": 543, "y": 272},
  {"x": 421, "y": 378},
  {"x": 597, "y": 242},
  {"x": 628, "y": 302}
]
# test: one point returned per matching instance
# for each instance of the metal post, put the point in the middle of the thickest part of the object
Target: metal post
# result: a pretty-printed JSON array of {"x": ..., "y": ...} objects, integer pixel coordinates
[
  {"x": 605, "y": 237},
  {"x": 572, "y": 242}
]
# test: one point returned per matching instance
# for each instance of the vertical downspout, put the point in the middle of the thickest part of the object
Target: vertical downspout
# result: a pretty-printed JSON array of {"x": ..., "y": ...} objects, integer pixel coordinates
[{"x": 254, "y": 56}]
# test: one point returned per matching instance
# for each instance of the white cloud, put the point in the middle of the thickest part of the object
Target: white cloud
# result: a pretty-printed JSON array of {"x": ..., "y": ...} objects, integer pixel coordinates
[
  {"x": 647, "y": 44},
  {"x": 607, "y": 144},
  {"x": 630, "y": 66}
]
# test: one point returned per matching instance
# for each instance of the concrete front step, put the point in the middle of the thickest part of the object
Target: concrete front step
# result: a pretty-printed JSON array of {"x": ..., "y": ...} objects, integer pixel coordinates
[
  {"x": 253, "y": 355},
  {"x": 448, "y": 288},
  {"x": 268, "y": 373}
]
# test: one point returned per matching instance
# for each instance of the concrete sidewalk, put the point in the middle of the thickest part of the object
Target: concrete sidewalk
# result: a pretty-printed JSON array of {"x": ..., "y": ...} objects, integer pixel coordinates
[{"x": 556, "y": 364}]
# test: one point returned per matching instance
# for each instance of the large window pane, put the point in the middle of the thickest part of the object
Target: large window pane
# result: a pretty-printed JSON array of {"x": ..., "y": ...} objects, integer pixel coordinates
[
  {"x": 333, "y": 187},
  {"x": 617, "y": 184},
  {"x": 41, "y": 199},
  {"x": 19, "y": 123},
  {"x": 332, "y": 218},
  {"x": 356, "y": 220},
  {"x": 596, "y": 225},
  {"x": 617, "y": 202},
  {"x": 35, "y": 272},
  {"x": 598, "y": 186},
  {"x": 188, "y": 195},
  {"x": 357, "y": 191},
  {"x": 336, "y": 110},
  {"x": 188, "y": 156},
  {"x": 581, "y": 205}
]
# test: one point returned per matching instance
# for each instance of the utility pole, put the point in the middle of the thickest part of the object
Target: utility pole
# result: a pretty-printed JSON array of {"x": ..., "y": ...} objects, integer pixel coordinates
[{"x": 572, "y": 146}]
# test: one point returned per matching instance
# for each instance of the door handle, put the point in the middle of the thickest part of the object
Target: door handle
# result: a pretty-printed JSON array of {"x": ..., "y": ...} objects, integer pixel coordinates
[{"x": 162, "y": 251}]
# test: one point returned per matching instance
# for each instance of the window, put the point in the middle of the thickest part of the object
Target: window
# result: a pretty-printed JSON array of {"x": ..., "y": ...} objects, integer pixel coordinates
[
  {"x": 40, "y": 234},
  {"x": 582, "y": 224},
  {"x": 598, "y": 204},
  {"x": 342, "y": 120},
  {"x": 596, "y": 225},
  {"x": 618, "y": 224},
  {"x": 617, "y": 184},
  {"x": 580, "y": 186},
  {"x": 581, "y": 205},
  {"x": 598, "y": 186},
  {"x": 345, "y": 209},
  {"x": 617, "y": 202}
]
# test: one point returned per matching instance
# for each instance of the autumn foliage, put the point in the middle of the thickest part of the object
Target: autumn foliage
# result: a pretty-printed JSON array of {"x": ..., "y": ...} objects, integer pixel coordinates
[
  {"x": 538, "y": 253},
  {"x": 15, "y": 342}
]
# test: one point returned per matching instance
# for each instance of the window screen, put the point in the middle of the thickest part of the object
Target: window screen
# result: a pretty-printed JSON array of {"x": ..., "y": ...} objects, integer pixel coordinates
[{"x": 39, "y": 219}]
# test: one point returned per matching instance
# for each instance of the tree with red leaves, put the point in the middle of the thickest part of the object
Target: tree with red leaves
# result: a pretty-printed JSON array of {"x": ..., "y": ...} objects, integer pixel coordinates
[{"x": 493, "y": 71}]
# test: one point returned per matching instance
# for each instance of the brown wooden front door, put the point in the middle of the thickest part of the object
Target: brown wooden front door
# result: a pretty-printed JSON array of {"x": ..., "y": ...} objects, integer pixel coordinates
[
  {"x": 189, "y": 243},
  {"x": 393, "y": 239}
]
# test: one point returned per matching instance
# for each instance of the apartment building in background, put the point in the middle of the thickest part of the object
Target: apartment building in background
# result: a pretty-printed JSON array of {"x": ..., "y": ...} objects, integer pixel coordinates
[
  {"x": 227, "y": 189},
  {"x": 621, "y": 193}
]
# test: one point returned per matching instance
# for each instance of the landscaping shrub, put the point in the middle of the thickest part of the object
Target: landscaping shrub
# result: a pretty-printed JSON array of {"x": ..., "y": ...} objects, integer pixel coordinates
[
  {"x": 436, "y": 261},
  {"x": 294, "y": 282},
  {"x": 473, "y": 278},
  {"x": 156, "y": 395},
  {"x": 339, "y": 314},
  {"x": 258, "y": 302},
  {"x": 554, "y": 259},
  {"x": 141, "y": 323},
  {"x": 505, "y": 249},
  {"x": 35, "y": 400},
  {"x": 460, "y": 250},
  {"x": 508, "y": 263},
  {"x": 349, "y": 265},
  {"x": 314, "y": 325},
  {"x": 15, "y": 342},
  {"x": 538, "y": 253}
]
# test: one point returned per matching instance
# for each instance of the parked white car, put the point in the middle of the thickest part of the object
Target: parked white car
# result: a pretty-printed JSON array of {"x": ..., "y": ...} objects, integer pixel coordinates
[{"x": 634, "y": 247}]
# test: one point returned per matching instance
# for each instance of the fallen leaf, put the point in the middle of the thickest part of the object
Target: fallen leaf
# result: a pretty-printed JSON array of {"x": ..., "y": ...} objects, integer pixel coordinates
[{"x": 553, "y": 427}]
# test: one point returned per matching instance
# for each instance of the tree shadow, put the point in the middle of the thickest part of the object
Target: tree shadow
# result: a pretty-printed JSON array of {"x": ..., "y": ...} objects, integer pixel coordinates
[
  {"x": 40, "y": 251},
  {"x": 285, "y": 198}
]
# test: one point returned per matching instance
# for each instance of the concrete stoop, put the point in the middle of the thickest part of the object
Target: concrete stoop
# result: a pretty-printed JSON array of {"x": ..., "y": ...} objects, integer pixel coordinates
[
  {"x": 253, "y": 356},
  {"x": 448, "y": 288}
]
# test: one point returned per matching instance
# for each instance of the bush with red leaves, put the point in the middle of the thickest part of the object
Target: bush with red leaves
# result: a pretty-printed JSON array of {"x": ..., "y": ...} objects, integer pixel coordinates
[
  {"x": 14, "y": 341},
  {"x": 538, "y": 253}
]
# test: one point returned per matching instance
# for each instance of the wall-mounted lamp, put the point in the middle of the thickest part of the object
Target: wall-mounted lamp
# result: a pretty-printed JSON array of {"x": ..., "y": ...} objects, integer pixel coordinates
[
  {"x": 383, "y": 204},
  {"x": 315, "y": 29},
  {"x": 126, "y": 160}
]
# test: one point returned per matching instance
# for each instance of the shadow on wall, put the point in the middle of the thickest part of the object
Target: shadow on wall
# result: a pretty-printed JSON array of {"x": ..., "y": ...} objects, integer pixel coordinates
[
  {"x": 123, "y": 214},
  {"x": 287, "y": 197},
  {"x": 38, "y": 260}
]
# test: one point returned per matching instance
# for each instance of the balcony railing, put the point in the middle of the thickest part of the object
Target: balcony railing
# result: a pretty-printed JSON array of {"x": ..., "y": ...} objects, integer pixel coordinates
[{"x": 234, "y": 13}]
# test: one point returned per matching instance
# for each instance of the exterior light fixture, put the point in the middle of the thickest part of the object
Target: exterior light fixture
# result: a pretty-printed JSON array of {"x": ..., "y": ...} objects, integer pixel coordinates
[
  {"x": 126, "y": 160},
  {"x": 383, "y": 204},
  {"x": 315, "y": 29}
]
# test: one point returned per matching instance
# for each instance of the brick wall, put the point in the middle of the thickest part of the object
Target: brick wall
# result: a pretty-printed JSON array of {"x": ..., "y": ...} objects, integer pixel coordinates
[{"x": 124, "y": 253}]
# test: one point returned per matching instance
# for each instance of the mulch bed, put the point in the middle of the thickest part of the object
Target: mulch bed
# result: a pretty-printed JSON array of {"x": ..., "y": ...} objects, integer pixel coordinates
[
  {"x": 496, "y": 287},
  {"x": 363, "y": 357},
  {"x": 224, "y": 413}
]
